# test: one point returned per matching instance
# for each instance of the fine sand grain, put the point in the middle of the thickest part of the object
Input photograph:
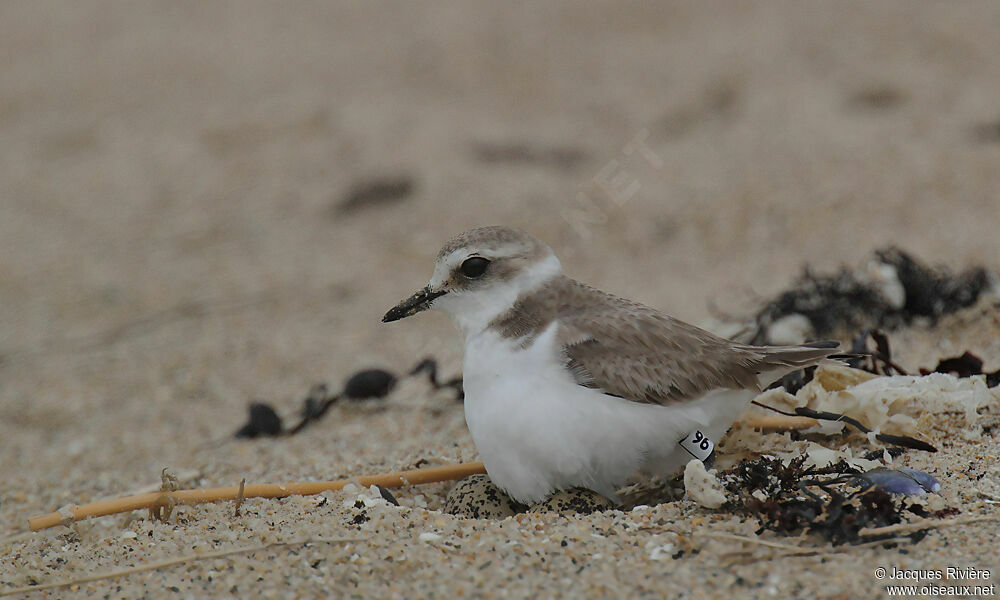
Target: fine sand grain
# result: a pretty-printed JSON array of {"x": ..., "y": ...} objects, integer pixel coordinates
[{"x": 174, "y": 243}]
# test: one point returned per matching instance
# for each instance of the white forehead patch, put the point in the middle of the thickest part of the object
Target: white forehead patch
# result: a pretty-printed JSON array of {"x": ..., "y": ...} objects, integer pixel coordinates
[
  {"x": 445, "y": 265},
  {"x": 449, "y": 262},
  {"x": 474, "y": 310}
]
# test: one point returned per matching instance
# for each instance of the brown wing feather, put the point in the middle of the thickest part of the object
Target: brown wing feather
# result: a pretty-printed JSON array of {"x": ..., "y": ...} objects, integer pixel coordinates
[
  {"x": 639, "y": 353},
  {"x": 645, "y": 356}
]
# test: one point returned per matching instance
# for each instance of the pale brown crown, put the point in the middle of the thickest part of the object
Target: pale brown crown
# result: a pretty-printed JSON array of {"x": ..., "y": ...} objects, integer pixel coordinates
[{"x": 496, "y": 239}]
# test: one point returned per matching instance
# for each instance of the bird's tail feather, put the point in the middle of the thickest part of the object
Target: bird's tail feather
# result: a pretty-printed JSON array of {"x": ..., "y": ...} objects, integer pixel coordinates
[
  {"x": 798, "y": 356},
  {"x": 778, "y": 361}
]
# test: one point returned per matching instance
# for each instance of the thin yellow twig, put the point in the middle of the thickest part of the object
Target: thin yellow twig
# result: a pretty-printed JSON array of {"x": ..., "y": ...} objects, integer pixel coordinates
[{"x": 260, "y": 490}]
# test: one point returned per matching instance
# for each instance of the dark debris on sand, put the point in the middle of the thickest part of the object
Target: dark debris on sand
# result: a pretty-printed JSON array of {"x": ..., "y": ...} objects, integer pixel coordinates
[
  {"x": 376, "y": 192},
  {"x": 849, "y": 300},
  {"x": 966, "y": 365},
  {"x": 366, "y": 384},
  {"x": 790, "y": 499},
  {"x": 851, "y": 303},
  {"x": 871, "y": 352}
]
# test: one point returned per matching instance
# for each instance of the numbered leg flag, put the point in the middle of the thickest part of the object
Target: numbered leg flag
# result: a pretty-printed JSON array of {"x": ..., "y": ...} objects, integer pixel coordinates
[{"x": 699, "y": 446}]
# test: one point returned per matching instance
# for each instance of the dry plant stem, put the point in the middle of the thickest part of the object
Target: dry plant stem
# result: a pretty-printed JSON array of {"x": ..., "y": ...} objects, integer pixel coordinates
[
  {"x": 746, "y": 557},
  {"x": 791, "y": 549},
  {"x": 171, "y": 562},
  {"x": 780, "y": 422},
  {"x": 260, "y": 490},
  {"x": 240, "y": 495},
  {"x": 925, "y": 524},
  {"x": 752, "y": 540}
]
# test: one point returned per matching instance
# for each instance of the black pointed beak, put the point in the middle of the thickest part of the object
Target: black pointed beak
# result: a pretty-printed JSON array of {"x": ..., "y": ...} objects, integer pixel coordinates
[{"x": 412, "y": 305}]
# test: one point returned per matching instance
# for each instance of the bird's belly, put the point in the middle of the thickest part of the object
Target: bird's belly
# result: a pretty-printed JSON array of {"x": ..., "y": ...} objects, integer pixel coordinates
[{"x": 538, "y": 431}]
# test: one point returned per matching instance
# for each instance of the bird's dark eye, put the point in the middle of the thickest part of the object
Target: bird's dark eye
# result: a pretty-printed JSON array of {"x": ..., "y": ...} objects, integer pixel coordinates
[{"x": 474, "y": 267}]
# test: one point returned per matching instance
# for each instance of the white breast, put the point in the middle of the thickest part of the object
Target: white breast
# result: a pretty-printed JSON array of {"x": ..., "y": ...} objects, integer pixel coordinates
[{"x": 538, "y": 431}]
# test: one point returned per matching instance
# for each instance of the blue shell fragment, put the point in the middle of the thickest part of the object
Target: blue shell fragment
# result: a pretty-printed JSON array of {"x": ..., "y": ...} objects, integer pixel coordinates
[{"x": 904, "y": 480}]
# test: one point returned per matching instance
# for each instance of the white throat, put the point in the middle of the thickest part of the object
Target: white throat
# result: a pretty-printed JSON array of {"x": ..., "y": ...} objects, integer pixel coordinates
[{"x": 473, "y": 311}]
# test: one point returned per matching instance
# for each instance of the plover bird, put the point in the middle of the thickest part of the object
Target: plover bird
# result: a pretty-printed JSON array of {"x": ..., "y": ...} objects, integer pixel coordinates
[{"x": 567, "y": 386}]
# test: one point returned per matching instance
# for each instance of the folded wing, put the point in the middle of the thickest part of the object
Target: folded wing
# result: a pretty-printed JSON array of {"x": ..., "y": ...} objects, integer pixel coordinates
[{"x": 646, "y": 356}]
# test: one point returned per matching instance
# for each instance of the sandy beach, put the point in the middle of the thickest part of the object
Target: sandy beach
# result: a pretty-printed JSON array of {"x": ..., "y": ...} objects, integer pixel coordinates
[{"x": 208, "y": 205}]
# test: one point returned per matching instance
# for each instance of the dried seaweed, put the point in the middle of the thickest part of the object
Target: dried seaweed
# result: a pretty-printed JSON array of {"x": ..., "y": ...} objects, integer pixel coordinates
[
  {"x": 831, "y": 304},
  {"x": 795, "y": 381},
  {"x": 966, "y": 365},
  {"x": 850, "y": 300},
  {"x": 779, "y": 495},
  {"x": 317, "y": 402},
  {"x": 879, "y": 361},
  {"x": 262, "y": 422},
  {"x": 902, "y": 441},
  {"x": 517, "y": 153},
  {"x": 987, "y": 132},
  {"x": 382, "y": 191},
  {"x": 429, "y": 366},
  {"x": 366, "y": 384},
  {"x": 369, "y": 383},
  {"x": 934, "y": 292}
]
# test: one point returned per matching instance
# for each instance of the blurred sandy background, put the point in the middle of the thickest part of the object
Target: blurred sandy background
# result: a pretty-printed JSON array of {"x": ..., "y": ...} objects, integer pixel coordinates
[{"x": 170, "y": 175}]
